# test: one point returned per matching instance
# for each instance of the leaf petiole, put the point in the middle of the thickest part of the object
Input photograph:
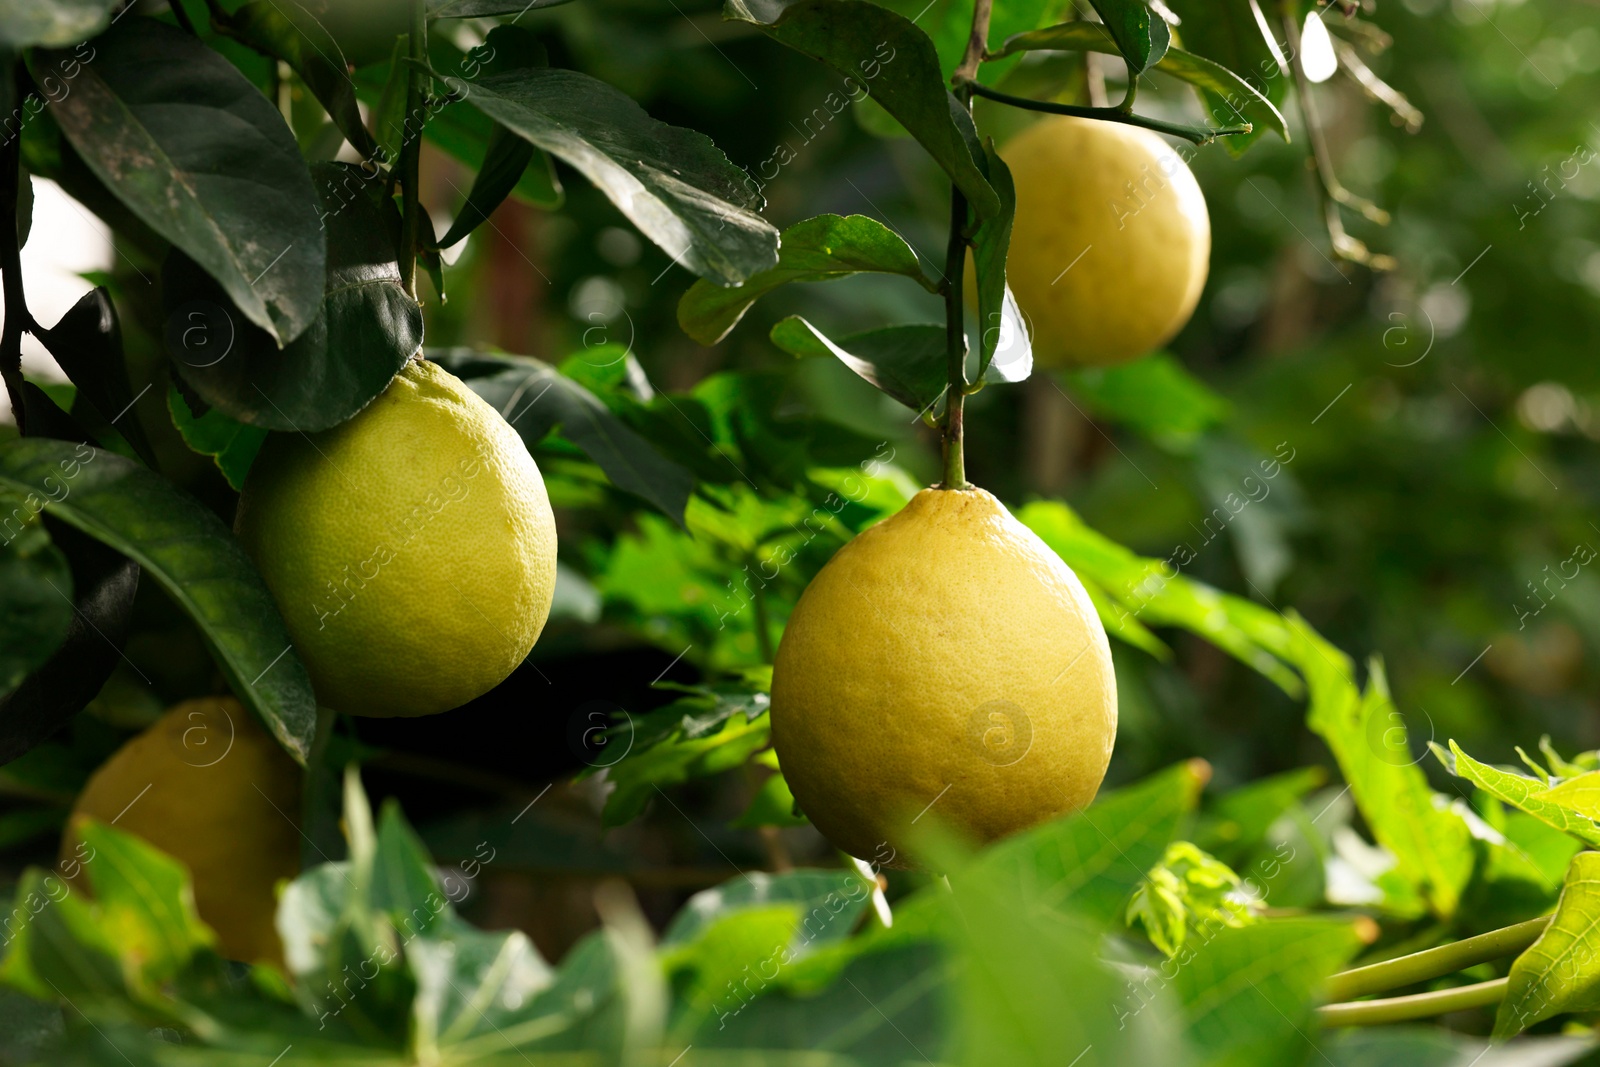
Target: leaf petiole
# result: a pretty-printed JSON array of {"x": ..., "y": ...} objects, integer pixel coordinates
[
  {"x": 1435, "y": 962},
  {"x": 1416, "y": 1006},
  {"x": 1196, "y": 134}
]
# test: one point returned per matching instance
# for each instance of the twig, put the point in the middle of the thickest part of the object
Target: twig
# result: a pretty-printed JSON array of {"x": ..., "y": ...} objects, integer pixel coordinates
[
  {"x": 411, "y": 149},
  {"x": 1435, "y": 962},
  {"x": 1196, "y": 134},
  {"x": 1416, "y": 1006},
  {"x": 1376, "y": 88},
  {"x": 18, "y": 320}
]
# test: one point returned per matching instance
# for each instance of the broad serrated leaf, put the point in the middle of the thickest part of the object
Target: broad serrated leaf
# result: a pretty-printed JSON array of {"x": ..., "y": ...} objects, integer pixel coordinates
[
  {"x": 674, "y": 184},
  {"x": 813, "y": 250},
  {"x": 195, "y": 151},
  {"x": 905, "y": 362},
  {"x": 1140, "y": 34},
  {"x": 828, "y": 904},
  {"x": 87, "y": 344},
  {"x": 1560, "y": 972},
  {"x": 1521, "y": 792},
  {"x": 896, "y": 63},
  {"x": 369, "y": 326},
  {"x": 535, "y": 397},
  {"x": 184, "y": 547}
]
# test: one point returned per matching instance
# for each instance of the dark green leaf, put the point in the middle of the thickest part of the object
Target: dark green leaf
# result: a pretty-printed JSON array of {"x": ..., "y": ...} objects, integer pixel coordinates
[
  {"x": 673, "y": 183},
  {"x": 1432, "y": 1046},
  {"x": 473, "y": 9},
  {"x": 535, "y": 398},
  {"x": 906, "y": 362},
  {"x": 194, "y": 150},
  {"x": 35, "y": 592},
  {"x": 813, "y": 250},
  {"x": 87, "y": 343},
  {"x": 369, "y": 326},
  {"x": 1004, "y": 351},
  {"x": 287, "y": 31},
  {"x": 1233, "y": 35},
  {"x": 1219, "y": 84},
  {"x": 1154, "y": 395},
  {"x": 1560, "y": 972},
  {"x": 503, "y": 163},
  {"x": 52, "y": 23},
  {"x": 896, "y": 63},
  {"x": 231, "y": 445},
  {"x": 194, "y": 557},
  {"x": 1247, "y": 993},
  {"x": 1141, "y": 35}
]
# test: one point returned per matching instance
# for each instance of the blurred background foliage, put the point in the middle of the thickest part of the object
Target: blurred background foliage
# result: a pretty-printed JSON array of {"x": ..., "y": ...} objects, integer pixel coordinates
[{"x": 1436, "y": 428}]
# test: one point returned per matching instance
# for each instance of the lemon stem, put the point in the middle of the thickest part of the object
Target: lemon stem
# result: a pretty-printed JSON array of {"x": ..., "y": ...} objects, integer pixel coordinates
[{"x": 411, "y": 148}]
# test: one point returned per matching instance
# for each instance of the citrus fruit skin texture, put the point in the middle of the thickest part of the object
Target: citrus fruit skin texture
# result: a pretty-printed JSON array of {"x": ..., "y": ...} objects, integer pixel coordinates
[
  {"x": 945, "y": 660},
  {"x": 411, "y": 550},
  {"x": 221, "y": 796},
  {"x": 1120, "y": 198}
]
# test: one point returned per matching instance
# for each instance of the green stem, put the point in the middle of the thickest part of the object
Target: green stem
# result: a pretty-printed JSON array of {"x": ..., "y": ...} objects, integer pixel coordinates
[
  {"x": 18, "y": 320},
  {"x": 955, "y": 471},
  {"x": 1196, "y": 134},
  {"x": 1435, "y": 962},
  {"x": 411, "y": 148},
  {"x": 1416, "y": 1006}
]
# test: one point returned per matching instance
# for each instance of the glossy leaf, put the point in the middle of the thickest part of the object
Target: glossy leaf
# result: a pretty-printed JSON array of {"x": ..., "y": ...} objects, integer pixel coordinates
[
  {"x": 813, "y": 250},
  {"x": 195, "y": 151},
  {"x": 896, "y": 63},
  {"x": 1560, "y": 972},
  {"x": 87, "y": 344},
  {"x": 1247, "y": 993},
  {"x": 35, "y": 592},
  {"x": 1141, "y": 35},
  {"x": 231, "y": 445},
  {"x": 673, "y": 183},
  {"x": 503, "y": 163},
  {"x": 287, "y": 31},
  {"x": 535, "y": 398},
  {"x": 906, "y": 362},
  {"x": 1233, "y": 34},
  {"x": 367, "y": 329},
  {"x": 1431, "y": 843},
  {"x": 1521, "y": 792},
  {"x": 185, "y": 548},
  {"x": 51, "y": 23},
  {"x": 828, "y": 904},
  {"x": 1005, "y": 352},
  {"x": 1240, "y": 99}
]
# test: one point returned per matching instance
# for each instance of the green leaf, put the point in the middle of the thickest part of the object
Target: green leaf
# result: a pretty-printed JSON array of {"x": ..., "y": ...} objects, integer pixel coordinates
[
  {"x": 896, "y": 63},
  {"x": 816, "y": 249},
  {"x": 288, "y": 31},
  {"x": 1092, "y": 861},
  {"x": 368, "y": 327},
  {"x": 185, "y": 547},
  {"x": 1140, "y": 34},
  {"x": 231, "y": 445},
  {"x": 87, "y": 344},
  {"x": 1560, "y": 972},
  {"x": 1236, "y": 97},
  {"x": 35, "y": 593},
  {"x": 1521, "y": 792},
  {"x": 1240, "y": 819},
  {"x": 773, "y": 805},
  {"x": 474, "y": 9},
  {"x": 1247, "y": 993},
  {"x": 906, "y": 362},
  {"x": 1189, "y": 891},
  {"x": 503, "y": 163},
  {"x": 145, "y": 900},
  {"x": 1431, "y": 843},
  {"x": 1432, "y": 1046},
  {"x": 535, "y": 398},
  {"x": 1136, "y": 589},
  {"x": 194, "y": 150},
  {"x": 1233, "y": 34},
  {"x": 1155, "y": 396},
  {"x": 673, "y": 183},
  {"x": 51, "y": 23},
  {"x": 1004, "y": 350},
  {"x": 679, "y": 759},
  {"x": 827, "y": 905}
]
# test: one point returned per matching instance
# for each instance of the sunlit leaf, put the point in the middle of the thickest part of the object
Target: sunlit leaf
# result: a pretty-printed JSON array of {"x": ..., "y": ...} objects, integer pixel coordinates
[{"x": 1560, "y": 972}]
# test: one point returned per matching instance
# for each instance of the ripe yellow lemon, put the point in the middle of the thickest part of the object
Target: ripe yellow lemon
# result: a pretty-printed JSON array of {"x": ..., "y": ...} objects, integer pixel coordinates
[
  {"x": 1111, "y": 241},
  {"x": 209, "y": 786},
  {"x": 411, "y": 550},
  {"x": 944, "y": 661}
]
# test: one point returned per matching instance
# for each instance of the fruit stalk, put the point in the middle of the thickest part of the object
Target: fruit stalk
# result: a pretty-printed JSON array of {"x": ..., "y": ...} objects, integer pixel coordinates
[
  {"x": 1435, "y": 962},
  {"x": 1416, "y": 1006},
  {"x": 411, "y": 148}
]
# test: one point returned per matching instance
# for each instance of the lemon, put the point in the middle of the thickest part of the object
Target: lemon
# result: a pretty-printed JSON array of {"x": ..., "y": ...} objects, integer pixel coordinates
[
  {"x": 1110, "y": 244},
  {"x": 411, "y": 550},
  {"x": 944, "y": 661},
  {"x": 210, "y": 787}
]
